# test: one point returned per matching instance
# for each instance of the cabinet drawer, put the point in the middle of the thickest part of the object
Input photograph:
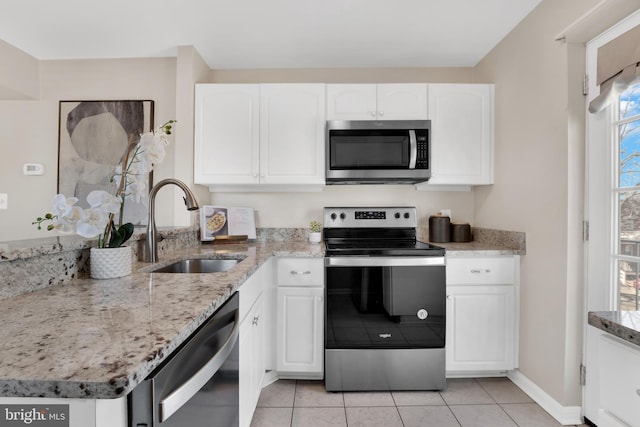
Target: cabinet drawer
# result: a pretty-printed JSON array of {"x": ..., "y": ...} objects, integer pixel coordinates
[
  {"x": 300, "y": 272},
  {"x": 619, "y": 379},
  {"x": 481, "y": 271}
]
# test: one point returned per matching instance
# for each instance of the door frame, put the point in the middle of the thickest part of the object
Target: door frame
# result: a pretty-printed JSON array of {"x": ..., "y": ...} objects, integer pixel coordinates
[{"x": 599, "y": 216}]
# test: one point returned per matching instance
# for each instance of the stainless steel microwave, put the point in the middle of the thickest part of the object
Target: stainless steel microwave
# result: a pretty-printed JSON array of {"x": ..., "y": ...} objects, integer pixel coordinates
[{"x": 378, "y": 151}]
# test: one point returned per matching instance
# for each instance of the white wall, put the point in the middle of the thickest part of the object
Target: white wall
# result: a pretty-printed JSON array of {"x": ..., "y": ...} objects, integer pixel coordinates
[
  {"x": 19, "y": 77},
  {"x": 29, "y": 131},
  {"x": 539, "y": 187},
  {"x": 298, "y": 209}
]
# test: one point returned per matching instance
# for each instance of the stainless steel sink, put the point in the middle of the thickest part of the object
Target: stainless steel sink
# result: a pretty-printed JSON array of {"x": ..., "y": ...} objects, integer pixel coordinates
[{"x": 198, "y": 266}]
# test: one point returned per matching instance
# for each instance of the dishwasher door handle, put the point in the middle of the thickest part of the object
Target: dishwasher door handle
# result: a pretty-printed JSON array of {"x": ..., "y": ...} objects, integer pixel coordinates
[{"x": 170, "y": 404}]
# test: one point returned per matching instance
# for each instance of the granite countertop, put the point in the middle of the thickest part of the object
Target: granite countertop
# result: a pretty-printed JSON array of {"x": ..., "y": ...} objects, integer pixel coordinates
[
  {"x": 474, "y": 248},
  {"x": 86, "y": 338},
  {"x": 622, "y": 324},
  {"x": 100, "y": 338}
]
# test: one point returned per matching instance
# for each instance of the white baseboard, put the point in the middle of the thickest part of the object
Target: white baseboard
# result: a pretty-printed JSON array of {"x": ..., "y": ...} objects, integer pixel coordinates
[{"x": 565, "y": 415}]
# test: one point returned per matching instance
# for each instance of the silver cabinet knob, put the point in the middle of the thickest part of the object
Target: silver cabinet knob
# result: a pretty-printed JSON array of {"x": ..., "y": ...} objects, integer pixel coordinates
[{"x": 381, "y": 113}]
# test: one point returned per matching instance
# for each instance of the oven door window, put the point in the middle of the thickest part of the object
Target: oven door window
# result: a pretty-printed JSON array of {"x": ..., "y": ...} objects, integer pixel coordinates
[
  {"x": 385, "y": 307},
  {"x": 383, "y": 149}
]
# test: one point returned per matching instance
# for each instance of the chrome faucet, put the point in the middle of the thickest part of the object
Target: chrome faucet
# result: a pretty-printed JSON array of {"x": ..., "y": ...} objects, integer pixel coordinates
[{"x": 151, "y": 254}]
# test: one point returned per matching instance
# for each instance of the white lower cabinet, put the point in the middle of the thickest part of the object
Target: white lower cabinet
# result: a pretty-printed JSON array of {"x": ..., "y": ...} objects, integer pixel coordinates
[
  {"x": 482, "y": 326},
  {"x": 251, "y": 362},
  {"x": 300, "y": 332},
  {"x": 619, "y": 382},
  {"x": 300, "y": 318},
  {"x": 252, "y": 344}
]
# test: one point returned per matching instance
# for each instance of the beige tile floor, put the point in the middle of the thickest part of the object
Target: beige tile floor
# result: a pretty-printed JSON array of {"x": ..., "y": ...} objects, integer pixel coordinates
[{"x": 481, "y": 402}]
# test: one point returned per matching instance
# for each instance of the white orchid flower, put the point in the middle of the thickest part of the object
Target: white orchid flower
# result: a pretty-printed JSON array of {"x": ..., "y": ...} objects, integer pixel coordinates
[
  {"x": 132, "y": 184},
  {"x": 92, "y": 223},
  {"x": 152, "y": 147},
  {"x": 136, "y": 190},
  {"x": 67, "y": 223},
  {"x": 62, "y": 205},
  {"x": 99, "y": 199}
]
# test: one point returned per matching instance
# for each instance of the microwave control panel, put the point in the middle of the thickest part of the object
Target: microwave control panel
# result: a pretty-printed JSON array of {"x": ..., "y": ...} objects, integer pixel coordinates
[{"x": 422, "y": 140}]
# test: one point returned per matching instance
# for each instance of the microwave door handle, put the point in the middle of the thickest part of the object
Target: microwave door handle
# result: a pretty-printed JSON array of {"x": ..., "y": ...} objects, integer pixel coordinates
[
  {"x": 180, "y": 396},
  {"x": 413, "y": 148}
]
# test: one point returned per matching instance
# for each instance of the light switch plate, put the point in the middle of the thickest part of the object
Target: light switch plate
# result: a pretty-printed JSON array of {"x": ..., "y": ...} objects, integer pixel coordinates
[{"x": 3, "y": 201}]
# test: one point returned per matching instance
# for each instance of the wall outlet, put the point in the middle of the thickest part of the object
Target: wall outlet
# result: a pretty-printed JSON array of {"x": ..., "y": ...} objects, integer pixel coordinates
[{"x": 3, "y": 201}]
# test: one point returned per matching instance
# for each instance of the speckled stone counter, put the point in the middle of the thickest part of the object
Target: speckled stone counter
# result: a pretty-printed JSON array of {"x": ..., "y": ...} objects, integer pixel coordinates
[
  {"x": 623, "y": 324},
  {"x": 100, "y": 338},
  {"x": 486, "y": 242},
  {"x": 65, "y": 335}
]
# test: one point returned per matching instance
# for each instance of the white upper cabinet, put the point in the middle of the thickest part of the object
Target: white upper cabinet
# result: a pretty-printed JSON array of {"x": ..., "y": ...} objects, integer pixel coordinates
[
  {"x": 292, "y": 118},
  {"x": 227, "y": 149},
  {"x": 402, "y": 101},
  {"x": 271, "y": 136},
  {"x": 259, "y": 134},
  {"x": 461, "y": 134}
]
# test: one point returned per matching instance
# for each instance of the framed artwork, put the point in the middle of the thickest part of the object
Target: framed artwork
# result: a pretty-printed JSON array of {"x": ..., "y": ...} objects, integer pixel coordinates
[{"x": 93, "y": 138}]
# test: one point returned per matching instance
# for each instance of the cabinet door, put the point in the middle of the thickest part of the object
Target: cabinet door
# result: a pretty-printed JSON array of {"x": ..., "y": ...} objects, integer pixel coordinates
[
  {"x": 251, "y": 362},
  {"x": 351, "y": 102},
  {"x": 461, "y": 134},
  {"x": 226, "y": 149},
  {"x": 480, "y": 328},
  {"x": 300, "y": 331},
  {"x": 402, "y": 101},
  {"x": 618, "y": 363},
  {"x": 292, "y": 120}
]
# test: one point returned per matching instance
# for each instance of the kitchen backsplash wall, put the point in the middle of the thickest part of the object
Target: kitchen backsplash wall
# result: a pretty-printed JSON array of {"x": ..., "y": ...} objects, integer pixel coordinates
[{"x": 296, "y": 210}]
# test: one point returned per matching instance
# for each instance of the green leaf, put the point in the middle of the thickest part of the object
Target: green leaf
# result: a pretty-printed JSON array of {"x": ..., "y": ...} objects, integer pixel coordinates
[
  {"x": 120, "y": 235},
  {"x": 128, "y": 231}
]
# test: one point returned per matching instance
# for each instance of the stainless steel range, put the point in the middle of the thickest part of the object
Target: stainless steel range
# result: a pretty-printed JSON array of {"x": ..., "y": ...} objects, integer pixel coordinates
[{"x": 385, "y": 302}]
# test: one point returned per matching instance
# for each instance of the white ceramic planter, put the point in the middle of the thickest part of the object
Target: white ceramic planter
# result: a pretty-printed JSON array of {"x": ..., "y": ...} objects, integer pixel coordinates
[
  {"x": 109, "y": 263},
  {"x": 315, "y": 237}
]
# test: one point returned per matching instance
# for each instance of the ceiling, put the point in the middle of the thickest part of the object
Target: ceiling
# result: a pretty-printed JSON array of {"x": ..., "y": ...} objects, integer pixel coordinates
[{"x": 266, "y": 33}]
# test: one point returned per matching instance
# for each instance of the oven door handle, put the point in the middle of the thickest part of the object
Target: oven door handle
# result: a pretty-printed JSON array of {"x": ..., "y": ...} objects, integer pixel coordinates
[
  {"x": 397, "y": 261},
  {"x": 170, "y": 404}
]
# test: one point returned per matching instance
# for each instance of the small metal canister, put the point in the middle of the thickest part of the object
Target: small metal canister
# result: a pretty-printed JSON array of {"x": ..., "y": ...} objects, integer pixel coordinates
[
  {"x": 439, "y": 229},
  {"x": 460, "y": 232}
]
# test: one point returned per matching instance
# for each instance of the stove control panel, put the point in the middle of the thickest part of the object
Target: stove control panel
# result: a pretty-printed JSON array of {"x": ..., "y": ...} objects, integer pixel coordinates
[{"x": 370, "y": 217}]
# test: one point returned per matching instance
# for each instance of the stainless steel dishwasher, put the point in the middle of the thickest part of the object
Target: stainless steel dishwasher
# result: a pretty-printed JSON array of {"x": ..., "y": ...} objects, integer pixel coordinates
[{"x": 198, "y": 385}]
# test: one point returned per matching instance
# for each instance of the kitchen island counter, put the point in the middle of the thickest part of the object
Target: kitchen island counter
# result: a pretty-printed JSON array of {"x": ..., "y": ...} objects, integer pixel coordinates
[{"x": 98, "y": 339}]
